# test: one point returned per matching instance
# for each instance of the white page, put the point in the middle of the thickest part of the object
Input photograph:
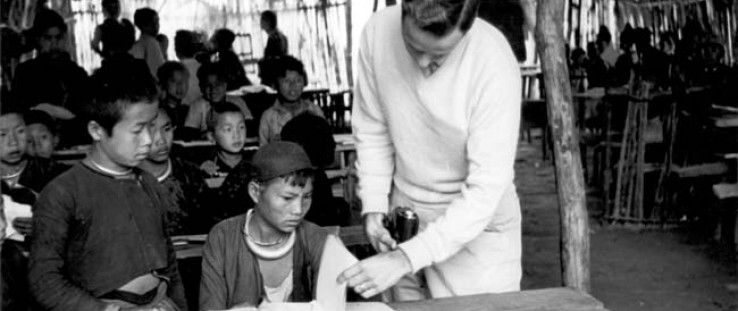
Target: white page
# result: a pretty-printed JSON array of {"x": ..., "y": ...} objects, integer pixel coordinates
[{"x": 336, "y": 259}]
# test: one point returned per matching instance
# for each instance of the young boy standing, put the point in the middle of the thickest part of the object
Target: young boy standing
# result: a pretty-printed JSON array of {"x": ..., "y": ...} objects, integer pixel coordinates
[
  {"x": 291, "y": 79},
  {"x": 99, "y": 240},
  {"x": 147, "y": 46}
]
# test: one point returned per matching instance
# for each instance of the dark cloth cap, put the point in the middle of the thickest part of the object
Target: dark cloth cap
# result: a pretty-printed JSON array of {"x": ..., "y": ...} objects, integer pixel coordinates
[{"x": 279, "y": 158}]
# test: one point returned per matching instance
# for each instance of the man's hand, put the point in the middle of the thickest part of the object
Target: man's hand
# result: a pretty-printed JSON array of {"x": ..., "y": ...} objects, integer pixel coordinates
[
  {"x": 377, "y": 234},
  {"x": 24, "y": 225},
  {"x": 376, "y": 274}
]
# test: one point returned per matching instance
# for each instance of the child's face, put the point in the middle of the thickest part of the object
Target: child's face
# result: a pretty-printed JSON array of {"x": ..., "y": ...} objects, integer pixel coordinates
[
  {"x": 213, "y": 89},
  {"x": 51, "y": 40},
  {"x": 163, "y": 131},
  {"x": 290, "y": 86},
  {"x": 283, "y": 206},
  {"x": 13, "y": 139},
  {"x": 153, "y": 27},
  {"x": 230, "y": 132},
  {"x": 130, "y": 141},
  {"x": 41, "y": 142},
  {"x": 176, "y": 85}
]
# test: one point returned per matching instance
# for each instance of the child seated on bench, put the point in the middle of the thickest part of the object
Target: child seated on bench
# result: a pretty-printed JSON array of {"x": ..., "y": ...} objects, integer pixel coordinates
[{"x": 270, "y": 253}]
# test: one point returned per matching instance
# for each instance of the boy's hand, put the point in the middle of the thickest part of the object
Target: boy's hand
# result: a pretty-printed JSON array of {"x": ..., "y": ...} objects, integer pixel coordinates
[
  {"x": 24, "y": 225},
  {"x": 209, "y": 167}
]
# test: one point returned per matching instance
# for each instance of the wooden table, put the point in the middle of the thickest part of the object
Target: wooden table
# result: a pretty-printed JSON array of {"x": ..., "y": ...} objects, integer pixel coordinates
[{"x": 551, "y": 299}]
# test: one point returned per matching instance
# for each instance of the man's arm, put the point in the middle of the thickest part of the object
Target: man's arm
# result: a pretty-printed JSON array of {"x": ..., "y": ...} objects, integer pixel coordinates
[
  {"x": 491, "y": 147},
  {"x": 375, "y": 163},
  {"x": 53, "y": 215}
]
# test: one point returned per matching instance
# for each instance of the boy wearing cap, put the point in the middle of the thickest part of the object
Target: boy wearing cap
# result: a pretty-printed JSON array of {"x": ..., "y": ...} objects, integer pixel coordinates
[{"x": 269, "y": 253}]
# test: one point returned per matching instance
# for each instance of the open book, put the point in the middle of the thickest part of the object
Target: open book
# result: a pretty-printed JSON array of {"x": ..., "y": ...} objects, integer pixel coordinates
[{"x": 330, "y": 296}]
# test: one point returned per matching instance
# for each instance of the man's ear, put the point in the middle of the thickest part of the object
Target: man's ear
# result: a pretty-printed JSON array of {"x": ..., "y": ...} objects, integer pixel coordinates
[
  {"x": 96, "y": 131},
  {"x": 254, "y": 191}
]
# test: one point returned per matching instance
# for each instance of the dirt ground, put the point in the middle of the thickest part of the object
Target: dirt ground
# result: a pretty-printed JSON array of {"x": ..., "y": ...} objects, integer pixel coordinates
[{"x": 676, "y": 269}]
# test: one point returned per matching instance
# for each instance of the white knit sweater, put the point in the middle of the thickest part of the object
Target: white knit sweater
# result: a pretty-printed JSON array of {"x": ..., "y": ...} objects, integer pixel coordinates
[{"x": 443, "y": 144}]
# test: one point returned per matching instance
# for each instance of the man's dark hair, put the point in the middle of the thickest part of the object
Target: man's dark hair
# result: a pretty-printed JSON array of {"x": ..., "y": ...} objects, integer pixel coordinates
[
  {"x": 225, "y": 38},
  {"x": 289, "y": 63},
  {"x": 270, "y": 17},
  {"x": 45, "y": 19},
  {"x": 114, "y": 89},
  {"x": 144, "y": 17},
  {"x": 168, "y": 69},
  {"x": 186, "y": 43},
  {"x": 218, "y": 109},
  {"x": 439, "y": 17}
]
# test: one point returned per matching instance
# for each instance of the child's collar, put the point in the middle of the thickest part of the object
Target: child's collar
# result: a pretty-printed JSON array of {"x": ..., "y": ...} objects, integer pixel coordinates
[{"x": 90, "y": 163}]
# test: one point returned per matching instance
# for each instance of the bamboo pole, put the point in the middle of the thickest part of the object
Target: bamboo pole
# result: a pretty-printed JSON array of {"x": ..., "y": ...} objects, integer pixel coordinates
[{"x": 569, "y": 177}]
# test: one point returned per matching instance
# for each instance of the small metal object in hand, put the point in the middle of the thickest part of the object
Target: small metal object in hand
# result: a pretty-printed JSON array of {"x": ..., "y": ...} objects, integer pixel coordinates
[{"x": 402, "y": 224}]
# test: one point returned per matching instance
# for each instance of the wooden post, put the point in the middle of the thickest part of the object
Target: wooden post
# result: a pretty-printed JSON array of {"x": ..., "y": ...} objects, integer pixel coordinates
[{"x": 569, "y": 177}]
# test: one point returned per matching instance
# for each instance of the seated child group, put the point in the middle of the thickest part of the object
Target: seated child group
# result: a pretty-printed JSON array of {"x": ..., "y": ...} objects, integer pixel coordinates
[{"x": 96, "y": 234}]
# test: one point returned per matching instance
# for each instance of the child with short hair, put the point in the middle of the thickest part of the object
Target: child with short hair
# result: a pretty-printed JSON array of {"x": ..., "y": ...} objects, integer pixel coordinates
[
  {"x": 42, "y": 134},
  {"x": 183, "y": 180},
  {"x": 291, "y": 79},
  {"x": 23, "y": 177},
  {"x": 100, "y": 240},
  {"x": 148, "y": 47},
  {"x": 212, "y": 78},
  {"x": 270, "y": 253},
  {"x": 226, "y": 126},
  {"x": 173, "y": 81}
]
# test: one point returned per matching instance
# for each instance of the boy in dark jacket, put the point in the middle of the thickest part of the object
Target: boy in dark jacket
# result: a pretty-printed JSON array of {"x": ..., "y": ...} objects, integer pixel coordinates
[{"x": 99, "y": 239}]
